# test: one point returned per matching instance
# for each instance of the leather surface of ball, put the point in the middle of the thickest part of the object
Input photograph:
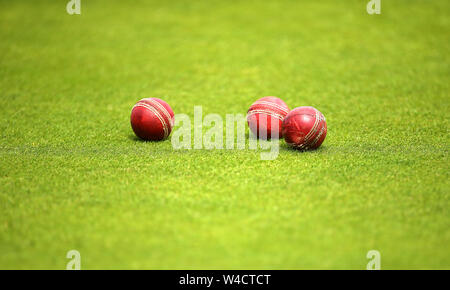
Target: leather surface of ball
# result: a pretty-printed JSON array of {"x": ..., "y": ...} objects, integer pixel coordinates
[
  {"x": 304, "y": 128},
  {"x": 152, "y": 119},
  {"x": 266, "y": 116}
]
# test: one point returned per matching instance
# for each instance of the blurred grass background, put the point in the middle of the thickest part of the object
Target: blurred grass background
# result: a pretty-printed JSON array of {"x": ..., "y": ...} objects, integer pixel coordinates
[{"x": 72, "y": 176}]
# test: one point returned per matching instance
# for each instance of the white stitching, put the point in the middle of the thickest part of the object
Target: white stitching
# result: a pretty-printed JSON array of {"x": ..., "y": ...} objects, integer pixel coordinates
[
  {"x": 313, "y": 129},
  {"x": 270, "y": 113},
  {"x": 157, "y": 114},
  {"x": 163, "y": 109},
  {"x": 275, "y": 105}
]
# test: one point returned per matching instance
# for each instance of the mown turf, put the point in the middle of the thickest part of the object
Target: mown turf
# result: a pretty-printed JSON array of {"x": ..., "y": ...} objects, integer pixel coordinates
[{"x": 72, "y": 175}]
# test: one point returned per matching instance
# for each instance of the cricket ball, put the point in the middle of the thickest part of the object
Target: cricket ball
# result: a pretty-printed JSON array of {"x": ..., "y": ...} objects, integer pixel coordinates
[
  {"x": 304, "y": 128},
  {"x": 152, "y": 119},
  {"x": 266, "y": 115}
]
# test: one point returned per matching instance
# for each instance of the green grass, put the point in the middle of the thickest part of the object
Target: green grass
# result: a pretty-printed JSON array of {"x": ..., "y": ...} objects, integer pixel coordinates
[{"x": 72, "y": 176}]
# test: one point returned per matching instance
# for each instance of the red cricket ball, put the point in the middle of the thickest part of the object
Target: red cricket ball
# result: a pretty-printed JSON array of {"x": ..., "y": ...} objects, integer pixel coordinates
[
  {"x": 266, "y": 115},
  {"x": 152, "y": 119},
  {"x": 304, "y": 128}
]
